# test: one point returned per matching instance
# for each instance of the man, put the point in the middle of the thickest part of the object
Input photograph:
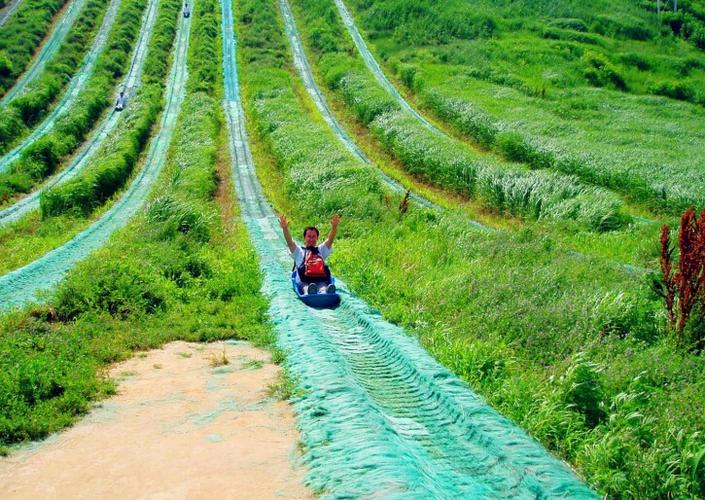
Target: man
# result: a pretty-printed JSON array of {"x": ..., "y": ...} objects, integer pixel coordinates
[{"x": 312, "y": 274}]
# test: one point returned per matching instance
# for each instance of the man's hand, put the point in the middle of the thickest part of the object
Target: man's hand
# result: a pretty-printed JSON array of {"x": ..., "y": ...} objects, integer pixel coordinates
[
  {"x": 283, "y": 222},
  {"x": 335, "y": 220}
]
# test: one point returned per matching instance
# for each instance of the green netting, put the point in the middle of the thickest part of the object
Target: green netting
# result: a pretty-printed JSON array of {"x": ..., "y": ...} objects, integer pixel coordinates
[
  {"x": 49, "y": 48},
  {"x": 85, "y": 154},
  {"x": 378, "y": 416},
  {"x": 21, "y": 286}
]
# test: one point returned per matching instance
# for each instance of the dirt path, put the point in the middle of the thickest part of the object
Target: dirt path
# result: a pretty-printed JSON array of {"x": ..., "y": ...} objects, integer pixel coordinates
[{"x": 178, "y": 428}]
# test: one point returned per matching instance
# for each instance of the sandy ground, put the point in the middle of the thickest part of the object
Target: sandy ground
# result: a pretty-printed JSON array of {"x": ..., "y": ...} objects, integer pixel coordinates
[{"x": 178, "y": 428}]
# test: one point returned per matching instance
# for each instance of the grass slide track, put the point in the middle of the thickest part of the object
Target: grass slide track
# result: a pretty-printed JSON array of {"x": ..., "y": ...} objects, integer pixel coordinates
[
  {"x": 74, "y": 88},
  {"x": 381, "y": 78},
  {"x": 304, "y": 69},
  {"x": 47, "y": 51},
  {"x": 21, "y": 286},
  {"x": 7, "y": 11},
  {"x": 90, "y": 147},
  {"x": 378, "y": 416}
]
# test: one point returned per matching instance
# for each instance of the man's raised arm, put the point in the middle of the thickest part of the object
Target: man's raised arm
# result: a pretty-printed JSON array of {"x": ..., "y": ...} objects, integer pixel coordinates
[
  {"x": 284, "y": 223},
  {"x": 335, "y": 220}
]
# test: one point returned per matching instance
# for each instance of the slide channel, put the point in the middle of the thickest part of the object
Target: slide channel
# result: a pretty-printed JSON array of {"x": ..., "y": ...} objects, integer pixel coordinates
[
  {"x": 49, "y": 48},
  {"x": 107, "y": 125},
  {"x": 21, "y": 286},
  {"x": 8, "y": 10},
  {"x": 378, "y": 416}
]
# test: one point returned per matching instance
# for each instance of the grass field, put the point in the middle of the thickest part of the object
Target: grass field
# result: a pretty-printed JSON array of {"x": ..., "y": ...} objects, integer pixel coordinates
[
  {"x": 584, "y": 105},
  {"x": 550, "y": 122}
]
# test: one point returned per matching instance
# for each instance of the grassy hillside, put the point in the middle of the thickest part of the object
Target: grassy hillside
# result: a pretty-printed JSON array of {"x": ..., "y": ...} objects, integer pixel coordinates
[{"x": 559, "y": 85}]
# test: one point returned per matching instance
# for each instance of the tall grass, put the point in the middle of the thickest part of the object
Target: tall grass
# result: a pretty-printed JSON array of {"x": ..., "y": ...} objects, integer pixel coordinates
[
  {"x": 21, "y": 35},
  {"x": 32, "y": 105}
]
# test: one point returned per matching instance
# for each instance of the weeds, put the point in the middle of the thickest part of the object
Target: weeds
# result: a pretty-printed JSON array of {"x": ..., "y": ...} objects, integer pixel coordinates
[
  {"x": 684, "y": 290},
  {"x": 218, "y": 359}
]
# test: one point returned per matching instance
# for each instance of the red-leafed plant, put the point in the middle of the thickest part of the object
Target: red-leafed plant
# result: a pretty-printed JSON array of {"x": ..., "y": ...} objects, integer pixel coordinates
[{"x": 684, "y": 288}]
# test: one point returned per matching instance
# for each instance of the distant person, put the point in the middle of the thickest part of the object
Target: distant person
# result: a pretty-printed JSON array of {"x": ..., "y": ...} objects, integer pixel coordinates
[
  {"x": 312, "y": 273},
  {"x": 121, "y": 101},
  {"x": 187, "y": 11}
]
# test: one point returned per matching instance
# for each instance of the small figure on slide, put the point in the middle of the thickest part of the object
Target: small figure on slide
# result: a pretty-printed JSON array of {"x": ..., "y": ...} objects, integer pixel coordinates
[
  {"x": 312, "y": 273},
  {"x": 121, "y": 101},
  {"x": 187, "y": 10}
]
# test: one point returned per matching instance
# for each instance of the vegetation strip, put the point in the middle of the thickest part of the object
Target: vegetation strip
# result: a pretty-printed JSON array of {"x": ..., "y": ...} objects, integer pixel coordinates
[
  {"x": 20, "y": 286},
  {"x": 367, "y": 416},
  {"x": 50, "y": 47},
  {"x": 7, "y": 10},
  {"x": 302, "y": 65},
  {"x": 90, "y": 148},
  {"x": 73, "y": 89},
  {"x": 45, "y": 155}
]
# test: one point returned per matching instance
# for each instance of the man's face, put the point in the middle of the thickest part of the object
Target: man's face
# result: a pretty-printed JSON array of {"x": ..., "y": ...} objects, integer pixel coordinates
[{"x": 310, "y": 238}]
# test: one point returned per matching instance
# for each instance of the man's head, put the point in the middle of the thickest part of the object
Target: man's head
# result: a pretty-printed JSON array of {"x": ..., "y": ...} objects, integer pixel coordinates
[{"x": 311, "y": 236}]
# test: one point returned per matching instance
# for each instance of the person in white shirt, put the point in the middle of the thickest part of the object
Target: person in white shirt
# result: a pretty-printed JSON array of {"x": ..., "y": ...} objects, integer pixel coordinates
[
  {"x": 312, "y": 273},
  {"x": 121, "y": 101}
]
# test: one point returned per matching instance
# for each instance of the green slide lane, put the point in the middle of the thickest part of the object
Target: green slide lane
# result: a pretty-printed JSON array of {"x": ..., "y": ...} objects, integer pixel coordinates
[
  {"x": 371, "y": 63},
  {"x": 51, "y": 45},
  {"x": 382, "y": 79},
  {"x": 73, "y": 89},
  {"x": 378, "y": 416},
  {"x": 20, "y": 286},
  {"x": 304, "y": 69},
  {"x": 106, "y": 127},
  {"x": 7, "y": 11}
]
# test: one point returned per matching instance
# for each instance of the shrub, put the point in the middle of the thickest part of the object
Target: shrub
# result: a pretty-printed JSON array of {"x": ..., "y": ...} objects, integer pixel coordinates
[
  {"x": 601, "y": 73},
  {"x": 582, "y": 389},
  {"x": 118, "y": 288}
]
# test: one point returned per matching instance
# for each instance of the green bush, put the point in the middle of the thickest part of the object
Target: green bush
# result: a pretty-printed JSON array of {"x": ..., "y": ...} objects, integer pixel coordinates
[
  {"x": 601, "y": 73},
  {"x": 22, "y": 34},
  {"x": 35, "y": 101}
]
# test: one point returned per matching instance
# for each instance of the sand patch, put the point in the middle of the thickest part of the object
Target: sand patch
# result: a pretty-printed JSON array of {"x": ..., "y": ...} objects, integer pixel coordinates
[{"x": 178, "y": 428}]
